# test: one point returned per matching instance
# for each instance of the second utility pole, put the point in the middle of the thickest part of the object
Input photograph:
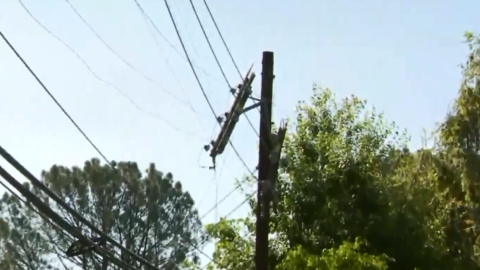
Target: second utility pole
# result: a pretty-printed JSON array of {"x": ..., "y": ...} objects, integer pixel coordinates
[{"x": 264, "y": 163}]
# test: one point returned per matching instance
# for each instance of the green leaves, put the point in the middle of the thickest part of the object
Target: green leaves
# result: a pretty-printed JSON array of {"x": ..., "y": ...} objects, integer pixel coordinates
[{"x": 347, "y": 256}]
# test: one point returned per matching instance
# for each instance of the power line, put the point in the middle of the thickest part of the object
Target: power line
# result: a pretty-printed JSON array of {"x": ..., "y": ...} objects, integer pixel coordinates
[
  {"x": 190, "y": 61},
  {"x": 53, "y": 98},
  {"x": 108, "y": 83},
  {"x": 43, "y": 187},
  {"x": 198, "y": 79},
  {"x": 148, "y": 24},
  {"x": 27, "y": 174},
  {"x": 156, "y": 28},
  {"x": 37, "y": 183},
  {"x": 216, "y": 58},
  {"x": 187, "y": 103},
  {"x": 41, "y": 215},
  {"x": 227, "y": 215},
  {"x": 52, "y": 215},
  {"x": 210, "y": 44},
  {"x": 140, "y": 8},
  {"x": 221, "y": 37},
  {"x": 225, "y": 197}
]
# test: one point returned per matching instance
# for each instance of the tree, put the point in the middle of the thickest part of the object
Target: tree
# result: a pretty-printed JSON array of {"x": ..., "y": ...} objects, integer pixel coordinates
[
  {"x": 346, "y": 174},
  {"x": 150, "y": 215},
  {"x": 459, "y": 140}
]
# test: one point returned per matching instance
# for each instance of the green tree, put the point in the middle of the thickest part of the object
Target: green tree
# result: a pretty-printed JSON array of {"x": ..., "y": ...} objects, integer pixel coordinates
[
  {"x": 459, "y": 141},
  {"x": 347, "y": 173},
  {"x": 149, "y": 214}
]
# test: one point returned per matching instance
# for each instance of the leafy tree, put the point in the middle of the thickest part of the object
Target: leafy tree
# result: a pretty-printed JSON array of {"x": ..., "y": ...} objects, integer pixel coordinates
[
  {"x": 459, "y": 140},
  {"x": 151, "y": 215},
  {"x": 347, "y": 173}
]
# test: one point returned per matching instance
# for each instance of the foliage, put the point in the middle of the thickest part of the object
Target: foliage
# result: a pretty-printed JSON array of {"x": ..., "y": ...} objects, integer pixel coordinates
[
  {"x": 148, "y": 214},
  {"x": 347, "y": 256}
]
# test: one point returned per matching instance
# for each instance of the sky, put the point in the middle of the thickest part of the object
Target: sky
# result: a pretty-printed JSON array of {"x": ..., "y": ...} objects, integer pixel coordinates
[{"x": 142, "y": 103}]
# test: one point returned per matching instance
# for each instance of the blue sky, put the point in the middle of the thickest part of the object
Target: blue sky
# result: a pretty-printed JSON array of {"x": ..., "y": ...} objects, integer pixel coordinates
[{"x": 402, "y": 56}]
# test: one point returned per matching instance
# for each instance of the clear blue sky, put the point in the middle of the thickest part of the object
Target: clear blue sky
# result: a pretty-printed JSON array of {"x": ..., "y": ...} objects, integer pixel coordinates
[{"x": 402, "y": 56}]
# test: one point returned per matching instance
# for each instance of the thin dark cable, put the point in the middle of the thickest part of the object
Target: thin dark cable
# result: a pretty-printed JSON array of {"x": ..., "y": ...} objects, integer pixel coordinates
[
  {"x": 109, "y": 84},
  {"x": 210, "y": 44},
  {"x": 55, "y": 226},
  {"x": 125, "y": 61},
  {"x": 169, "y": 66},
  {"x": 197, "y": 78},
  {"x": 54, "y": 217},
  {"x": 216, "y": 58},
  {"x": 223, "y": 40},
  {"x": 168, "y": 42},
  {"x": 227, "y": 215},
  {"x": 44, "y": 188},
  {"x": 189, "y": 60},
  {"x": 225, "y": 197},
  {"x": 37, "y": 183},
  {"x": 54, "y": 99}
]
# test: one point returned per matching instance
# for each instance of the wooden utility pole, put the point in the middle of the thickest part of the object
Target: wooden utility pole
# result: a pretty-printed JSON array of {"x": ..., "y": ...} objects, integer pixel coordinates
[
  {"x": 264, "y": 164},
  {"x": 269, "y": 150}
]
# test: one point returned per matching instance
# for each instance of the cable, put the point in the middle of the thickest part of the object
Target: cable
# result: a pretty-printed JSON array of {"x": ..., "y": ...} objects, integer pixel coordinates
[
  {"x": 198, "y": 79},
  {"x": 36, "y": 182},
  {"x": 223, "y": 40},
  {"x": 55, "y": 226},
  {"x": 149, "y": 20},
  {"x": 187, "y": 103},
  {"x": 225, "y": 197},
  {"x": 59, "y": 201},
  {"x": 168, "y": 42},
  {"x": 216, "y": 58},
  {"x": 52, "y": 215},
  {"x": 190, "y": 61},
  {"x": 231, "y": 212},
  {"x": 210, "y": 44},
  {"x": 53, "y": 98},
  {"x": 109, "y": 84},
  {"x": 167, "y": 61}
]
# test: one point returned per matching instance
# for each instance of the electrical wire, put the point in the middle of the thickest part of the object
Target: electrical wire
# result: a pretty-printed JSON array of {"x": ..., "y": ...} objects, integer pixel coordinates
[
  {"x": 223, "y": 40},
  {"x": 218, "y": 62},
  {"x": 204, "y": 71},
  {"x": 41, "y": 215},
  {"x": 45, "y": 189},
  {"x": 33, "y": 209},
  {"x": 167, "y": 62},
  {"x": 37, "y": 183},
  {"x": 226, "y": 216},
  {"x": 53, "y": 98},
  {"x": 210, "y": 44},
  {"x": 149, "y": 21},
  {"x": 49, "y": 192},
  {"x": 54, "y": 217},
  {"x": 190, "y": 61},
  {"x": 224, "y": 198},
  {"x": 198, "y": 79},
  {"x": 148, "y": 78},
  {"x": 106, "y": 82}
]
